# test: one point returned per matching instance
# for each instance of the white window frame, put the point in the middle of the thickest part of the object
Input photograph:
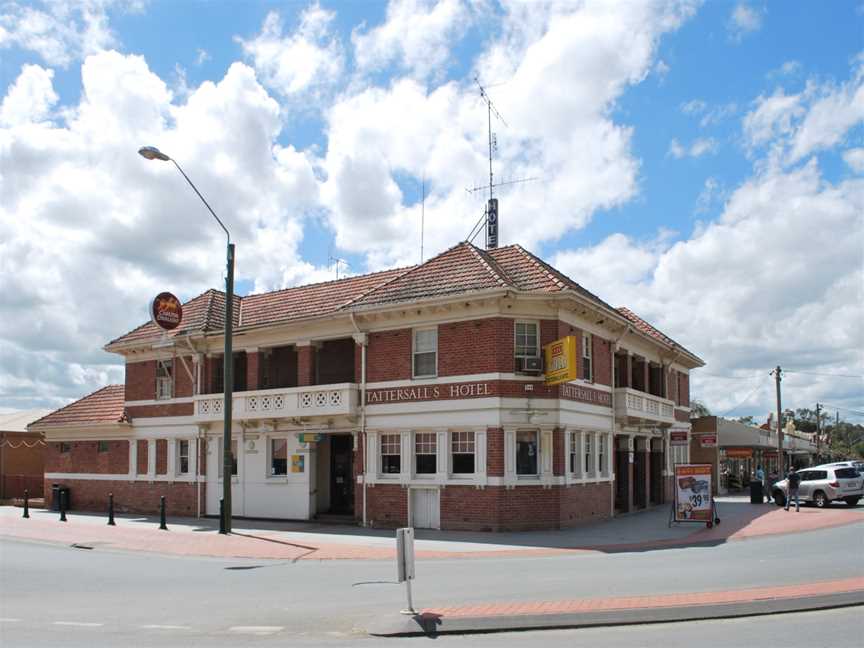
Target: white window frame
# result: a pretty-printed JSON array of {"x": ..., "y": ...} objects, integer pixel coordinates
[
  {"x": 537, "y": 455},
  {"x": 179, "y": 451},
  {"x": 602, "y": 454},
  {"x": 456, "y": 440},
  {"x": 574, "y": 458},
  {"x": 588, "y": 450},
  {"x": 165, "y": 384},
  {"x": 587, "y": 354},
  {"x": 426, "y": 447},
  {"x": 536, "y": 325},
  {"x": 415, "y": 352},
  {"x": 383, "y": 445}
]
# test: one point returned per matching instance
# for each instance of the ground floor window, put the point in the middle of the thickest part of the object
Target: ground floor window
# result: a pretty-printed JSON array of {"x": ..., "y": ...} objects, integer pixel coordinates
[
  {"x": 278, "y": 457},
  {"x": 65, "y": 447},
  {"x": 527, "y": 446},
  {"x": 574, "y": 452},
  {"x": 183, "y": 456},
  {"x": 589, "y": 457},
  {"x": 462, "y": 449},
  {"x": 390, "y": 454},
  {"x": 601, "y": 452},
  {"x": 425, "y": 453}
]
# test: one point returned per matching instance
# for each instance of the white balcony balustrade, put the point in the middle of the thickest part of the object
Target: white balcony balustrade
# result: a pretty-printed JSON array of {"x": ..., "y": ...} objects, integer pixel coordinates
[
  {"x": 635, "y": 407},
  {"x": 317, "y": 400}
]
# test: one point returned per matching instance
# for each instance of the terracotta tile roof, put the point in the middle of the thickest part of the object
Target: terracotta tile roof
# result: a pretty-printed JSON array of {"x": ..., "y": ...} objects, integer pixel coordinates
[
  {"x": 315, "y": 299},
  {"x": 103, "y": 406},
  {"x": 461, "y": 269}
]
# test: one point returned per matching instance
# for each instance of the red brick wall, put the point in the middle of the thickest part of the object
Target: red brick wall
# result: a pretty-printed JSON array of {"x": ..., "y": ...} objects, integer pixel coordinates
[
  {"x": 182, "y": 379},
  {"x": 387, "y": 505},
  {"x": 388, "y": 356},
  {"x": 523, "y": 508},
  {"x": 559, "y": 461},
  {"x": 475, "y": 346},
  {"x": 161, "y": 456},
  {"x": 84, "y": 458},
  {"x": 129, "y": 497},
  {"x": 141, "y": 463},
  {"x": 684, "y": 389},
  {"x": 141, "y": 380},
  {"x": 495, "y": 452},
  {"x": 335, "y": 360},
  {"x": 168, "y": 409},
  {"x": 602, "y": 359}
]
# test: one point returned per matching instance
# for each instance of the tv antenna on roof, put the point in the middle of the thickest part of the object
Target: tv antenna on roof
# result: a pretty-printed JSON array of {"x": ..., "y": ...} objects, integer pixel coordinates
[
  {"x": 490, "y": 215},
  {"x": 335, "y": 261}
]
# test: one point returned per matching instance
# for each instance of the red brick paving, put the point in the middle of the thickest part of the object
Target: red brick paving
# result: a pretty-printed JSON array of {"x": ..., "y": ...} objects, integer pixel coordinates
[{"x": 653, "y": 601}]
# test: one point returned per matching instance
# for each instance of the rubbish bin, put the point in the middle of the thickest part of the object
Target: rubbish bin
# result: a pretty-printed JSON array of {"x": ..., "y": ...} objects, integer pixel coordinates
[
  {"x": 55, "y": 497},
  {"x": 755, "y": 492}
]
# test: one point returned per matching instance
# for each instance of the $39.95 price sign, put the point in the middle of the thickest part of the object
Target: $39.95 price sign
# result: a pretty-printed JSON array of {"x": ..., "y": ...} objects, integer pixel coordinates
[{"x": 693, "y": 492}]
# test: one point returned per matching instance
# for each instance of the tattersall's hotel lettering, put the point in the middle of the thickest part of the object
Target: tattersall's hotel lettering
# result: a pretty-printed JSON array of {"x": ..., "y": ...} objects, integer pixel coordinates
[{"x": 482, "y": 389}]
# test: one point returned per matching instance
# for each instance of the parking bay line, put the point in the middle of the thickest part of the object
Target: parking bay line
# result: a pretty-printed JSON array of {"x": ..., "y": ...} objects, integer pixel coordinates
[
  {"x": 165, "y": 627},
  {"x": 82, "y": 624},
  {"x": 256, "y": 629}
]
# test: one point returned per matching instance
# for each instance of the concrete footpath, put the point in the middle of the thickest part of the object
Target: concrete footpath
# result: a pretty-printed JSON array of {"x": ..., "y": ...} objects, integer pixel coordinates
[{"x": 641, "y": 532}]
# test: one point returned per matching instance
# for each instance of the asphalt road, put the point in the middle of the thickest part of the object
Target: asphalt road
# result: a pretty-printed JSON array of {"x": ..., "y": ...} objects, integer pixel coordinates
[{"x": 64, "y": 596}]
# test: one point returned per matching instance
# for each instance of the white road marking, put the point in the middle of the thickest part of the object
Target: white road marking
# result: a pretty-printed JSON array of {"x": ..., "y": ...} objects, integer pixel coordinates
[
  {"x": 9, "y": 620},
  {"x": 83, "y": 624},
  {"x": 165, "y": 627},
  {"x": 256, "y": 629}
]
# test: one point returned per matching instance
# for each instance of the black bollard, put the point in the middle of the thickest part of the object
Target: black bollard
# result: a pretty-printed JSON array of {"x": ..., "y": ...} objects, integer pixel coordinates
[
  {"x": 111, "y": 509},
  {"x": 26, "y": 503},
  {"x": 162, "y": 524},
  {"x": 62, "y": 505},
  {"x": 222, "y": 517}
]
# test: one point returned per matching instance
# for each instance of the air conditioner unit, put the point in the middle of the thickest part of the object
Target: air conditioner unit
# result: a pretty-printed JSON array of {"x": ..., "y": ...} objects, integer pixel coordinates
[{"x": 531, "y": 365}]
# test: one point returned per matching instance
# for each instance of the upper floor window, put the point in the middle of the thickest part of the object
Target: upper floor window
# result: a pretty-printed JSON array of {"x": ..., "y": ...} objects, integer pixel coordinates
[
  {"x": 101, "y": 446},
  {"x": 462, "y": 452},
  {"x": 425, "y": 353},
  {"x": 425, "y": 453},
  {"x": 526, "y": 343},
  {"x": 164, "y": 379},
  {"x": 586, "y": 356},
  {"x": 390, "y": 454},
  {"x": 65, "y": 447},
  {"x": 527, "y": 448},
  {"x": 183, "y": 457}
]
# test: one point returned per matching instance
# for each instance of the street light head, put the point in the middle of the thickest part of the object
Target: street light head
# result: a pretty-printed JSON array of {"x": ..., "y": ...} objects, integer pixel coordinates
[{"x": 152, "y": 153}]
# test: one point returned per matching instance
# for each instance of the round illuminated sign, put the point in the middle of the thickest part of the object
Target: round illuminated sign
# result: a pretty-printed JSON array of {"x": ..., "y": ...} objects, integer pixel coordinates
[{"x": 167, "y": 312}]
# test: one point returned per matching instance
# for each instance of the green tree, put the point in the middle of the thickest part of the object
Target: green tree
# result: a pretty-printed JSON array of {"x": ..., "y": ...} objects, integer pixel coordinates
[
  {"x": 698, "y": 408},
  {"x": 747, "y": 420}
]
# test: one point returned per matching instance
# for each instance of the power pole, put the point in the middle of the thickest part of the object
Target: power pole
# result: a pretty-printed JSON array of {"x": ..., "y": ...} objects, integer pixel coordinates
[
  {"x": 780, "y": 462},
  {"x": 818, "y": 435}
]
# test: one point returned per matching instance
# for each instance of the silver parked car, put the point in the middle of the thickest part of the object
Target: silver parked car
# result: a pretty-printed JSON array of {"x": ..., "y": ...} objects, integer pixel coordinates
[{"x": 823, "y": 485}]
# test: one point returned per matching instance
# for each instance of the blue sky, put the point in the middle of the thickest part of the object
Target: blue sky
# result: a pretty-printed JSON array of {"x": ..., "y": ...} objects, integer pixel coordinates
[{"x": 699, "y": 162}]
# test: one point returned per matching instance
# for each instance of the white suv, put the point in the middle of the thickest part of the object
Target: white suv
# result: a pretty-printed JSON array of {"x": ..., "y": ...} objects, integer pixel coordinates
[{"x": 823, "y": 485}]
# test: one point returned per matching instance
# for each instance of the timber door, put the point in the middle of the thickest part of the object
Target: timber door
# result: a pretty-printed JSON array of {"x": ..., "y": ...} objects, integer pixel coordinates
[
  {"x": 639, "y": 475},
  {"x": 341, "y": 474},
  {"x": 425, "y": 508},
  {"x": 622, "y": 486},
  {"x": 657, "y": 476}
]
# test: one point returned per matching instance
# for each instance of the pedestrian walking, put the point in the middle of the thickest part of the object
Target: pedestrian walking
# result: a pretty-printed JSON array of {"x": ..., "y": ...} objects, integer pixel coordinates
[
  {"x": 773, "y": 478},
  {"x": 760, "y": 477},
  {"x": 793, "y": 480}
]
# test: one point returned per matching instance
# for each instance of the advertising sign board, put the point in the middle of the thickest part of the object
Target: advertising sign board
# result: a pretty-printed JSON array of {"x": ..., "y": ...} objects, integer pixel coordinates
[
  {"x": 693, "y": 493},
  {"x": 678, "y": 438},
  {"x": 561, "y": 360},
  {"x": 708, "y": 440},
  {"x": 166, "y": 311},
  {"x": 739, "y": 453}
]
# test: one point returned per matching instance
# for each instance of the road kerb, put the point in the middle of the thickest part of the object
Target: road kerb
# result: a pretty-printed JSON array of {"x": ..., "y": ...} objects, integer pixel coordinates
[{"x": 631, "y": 610}]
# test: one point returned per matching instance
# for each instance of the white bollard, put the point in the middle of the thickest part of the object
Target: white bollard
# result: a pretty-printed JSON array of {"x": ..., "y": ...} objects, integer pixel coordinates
[{"x": 405, "y": 563}]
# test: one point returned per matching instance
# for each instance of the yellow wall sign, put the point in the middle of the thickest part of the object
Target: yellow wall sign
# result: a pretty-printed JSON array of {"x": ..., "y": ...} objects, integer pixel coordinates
[
  {"x": 561, "y": 360},
  {"x": 297, "y": 463}
]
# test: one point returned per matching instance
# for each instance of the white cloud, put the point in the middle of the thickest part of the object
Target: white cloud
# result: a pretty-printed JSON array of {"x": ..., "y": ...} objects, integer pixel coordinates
[
  {"x": 127, "y": 227},
  {"x": 815, "y": 119},
  {"x": 305, "y": 63},
  {"x": 418, "y": 34},
  {"x": 30, "y": 98},
  {"x": 855, "y": 159},
  {"x": 744, "y": 20},
  {"x": 700, "y": 146},
  {"x": 59, "y": 32},
  {"x": 202, "y": 56},
  {"x": 694, "y": 107}
]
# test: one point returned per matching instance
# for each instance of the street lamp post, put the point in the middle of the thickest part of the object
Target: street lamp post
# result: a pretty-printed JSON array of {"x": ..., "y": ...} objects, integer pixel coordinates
[{"x": 152, "y": 153}]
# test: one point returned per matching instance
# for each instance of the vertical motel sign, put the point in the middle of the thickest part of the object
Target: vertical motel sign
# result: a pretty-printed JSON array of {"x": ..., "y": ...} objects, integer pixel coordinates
[{"x": 561, "y": 361}]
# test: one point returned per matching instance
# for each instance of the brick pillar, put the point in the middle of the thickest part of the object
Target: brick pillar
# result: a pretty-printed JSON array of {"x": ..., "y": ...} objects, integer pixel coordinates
[
  {"x": 559, "y": 461},
  {"x": 253, "y": 373},
  {"x": 495, "y": 452},
  {"x": 305, "y": 364}
]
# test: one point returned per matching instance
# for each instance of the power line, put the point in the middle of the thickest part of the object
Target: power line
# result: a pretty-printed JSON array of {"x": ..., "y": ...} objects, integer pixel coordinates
[
  {"x": 844, "y": 409},
  {"x": 816, "y": 373},
  {"x": 743, "y": 401}
]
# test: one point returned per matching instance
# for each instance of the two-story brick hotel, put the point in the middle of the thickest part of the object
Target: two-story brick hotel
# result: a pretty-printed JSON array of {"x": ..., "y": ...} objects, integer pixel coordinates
[{"x": 410, "y": 396}]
